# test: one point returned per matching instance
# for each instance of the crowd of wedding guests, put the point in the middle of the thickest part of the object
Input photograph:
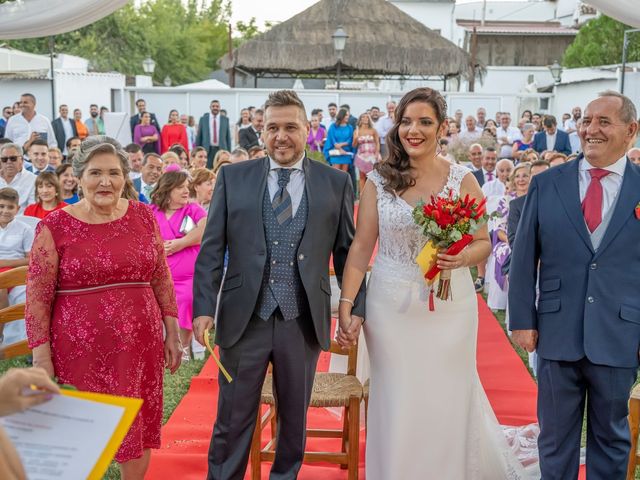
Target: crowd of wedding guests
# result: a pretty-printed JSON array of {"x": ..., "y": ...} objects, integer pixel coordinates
[{"x": 48, "y": 166}]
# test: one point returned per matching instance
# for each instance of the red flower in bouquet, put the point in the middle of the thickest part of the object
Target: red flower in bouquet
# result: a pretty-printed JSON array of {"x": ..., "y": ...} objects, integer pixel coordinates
[
  {"x": 638, "y": 211},
  {"x": 448, "y": 223}
]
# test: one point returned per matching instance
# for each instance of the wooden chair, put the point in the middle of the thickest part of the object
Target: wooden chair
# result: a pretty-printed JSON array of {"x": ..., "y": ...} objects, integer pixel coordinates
[
  {"x": 329, "y": 390},
  {"x": 13, "y": 278},
  {"x": 634, "y": 426}
]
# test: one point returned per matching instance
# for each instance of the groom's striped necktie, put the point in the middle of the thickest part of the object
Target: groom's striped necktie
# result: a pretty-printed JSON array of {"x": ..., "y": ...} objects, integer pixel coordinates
[{"x": 282, "y": 201}]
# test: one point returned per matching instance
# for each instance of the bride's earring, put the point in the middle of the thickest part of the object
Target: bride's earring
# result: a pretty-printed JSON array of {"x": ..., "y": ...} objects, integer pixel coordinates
[{"x": 438, "y": 148}]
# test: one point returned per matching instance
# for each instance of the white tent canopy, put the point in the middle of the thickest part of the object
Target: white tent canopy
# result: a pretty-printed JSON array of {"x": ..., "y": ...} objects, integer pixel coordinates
[
  {"x": 42, "y": 18},
  {"x": 625, "y": 11}
]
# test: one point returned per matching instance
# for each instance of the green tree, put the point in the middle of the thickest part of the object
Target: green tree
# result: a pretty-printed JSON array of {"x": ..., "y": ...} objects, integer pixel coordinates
[
  {"x": 599, "y": 42},
  {"x": 185, "y": 39}
]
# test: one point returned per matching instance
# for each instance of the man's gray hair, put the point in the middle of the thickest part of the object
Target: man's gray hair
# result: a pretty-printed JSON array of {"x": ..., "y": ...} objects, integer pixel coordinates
[
  {"x": 99, "y": 144},
  {"x": 14, "y": 146},
  {"x": 628, "y": 112}
]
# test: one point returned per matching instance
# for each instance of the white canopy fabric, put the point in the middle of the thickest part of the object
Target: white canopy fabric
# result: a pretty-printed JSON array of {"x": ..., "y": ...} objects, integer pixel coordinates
[
  {"x": 625, "y": 11},
  {"x": 42, "y": 18}
]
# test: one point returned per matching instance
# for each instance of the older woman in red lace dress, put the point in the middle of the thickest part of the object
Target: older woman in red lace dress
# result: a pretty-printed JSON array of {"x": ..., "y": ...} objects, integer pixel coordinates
[{"x": 98, "y": 295}]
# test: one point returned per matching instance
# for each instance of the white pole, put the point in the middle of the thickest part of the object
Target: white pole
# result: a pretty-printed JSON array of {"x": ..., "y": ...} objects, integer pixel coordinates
[{"x": 484, "y": 12}]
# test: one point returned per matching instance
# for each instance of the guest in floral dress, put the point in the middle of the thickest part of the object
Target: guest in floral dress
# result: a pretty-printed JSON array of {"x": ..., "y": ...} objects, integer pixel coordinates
[
  {"x": 367, "y": 143},
  {"x": 99, "y": 293}
]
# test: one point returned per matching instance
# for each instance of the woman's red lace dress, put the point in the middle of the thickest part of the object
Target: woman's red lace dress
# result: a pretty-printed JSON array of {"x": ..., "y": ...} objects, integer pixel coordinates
[{"x": 105, "y": 336}]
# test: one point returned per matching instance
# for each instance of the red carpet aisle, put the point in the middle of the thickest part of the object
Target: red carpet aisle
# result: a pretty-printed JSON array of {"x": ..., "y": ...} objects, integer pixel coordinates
[{"x": 185, "y": 437}]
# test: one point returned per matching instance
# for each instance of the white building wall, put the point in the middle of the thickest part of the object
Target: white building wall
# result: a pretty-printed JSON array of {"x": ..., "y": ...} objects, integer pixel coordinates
[
  {"x": 580, "y": 94},
  {"x": 79, "y": 90},
  {"x": 436, "y": 16},
  {"x": 10, "y": 91}
]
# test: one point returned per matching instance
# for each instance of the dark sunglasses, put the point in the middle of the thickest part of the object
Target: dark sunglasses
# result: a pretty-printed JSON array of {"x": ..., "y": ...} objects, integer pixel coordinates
[{"x": 12, "y": 158}]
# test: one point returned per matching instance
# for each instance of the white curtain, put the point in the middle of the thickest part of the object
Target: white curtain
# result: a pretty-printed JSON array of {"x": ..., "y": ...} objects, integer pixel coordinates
[
  {"x": 41, "y": 18},
  {"x": 625, "y": 11}
]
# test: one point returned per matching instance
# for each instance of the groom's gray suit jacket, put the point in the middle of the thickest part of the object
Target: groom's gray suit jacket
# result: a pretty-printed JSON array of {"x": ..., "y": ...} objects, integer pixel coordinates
[{"x": 235, "y": 224}]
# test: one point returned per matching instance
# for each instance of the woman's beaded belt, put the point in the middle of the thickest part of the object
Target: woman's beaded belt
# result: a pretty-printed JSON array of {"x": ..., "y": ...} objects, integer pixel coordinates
[{"x": 104, "y": 287}]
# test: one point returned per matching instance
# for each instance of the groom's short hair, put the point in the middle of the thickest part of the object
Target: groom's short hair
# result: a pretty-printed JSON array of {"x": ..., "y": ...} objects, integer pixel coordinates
[{"x": 285, "y": 98}]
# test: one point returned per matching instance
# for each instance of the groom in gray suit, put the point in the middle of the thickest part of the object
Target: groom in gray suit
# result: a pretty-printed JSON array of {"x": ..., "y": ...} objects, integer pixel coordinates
[{"x": 280, "y": 218}]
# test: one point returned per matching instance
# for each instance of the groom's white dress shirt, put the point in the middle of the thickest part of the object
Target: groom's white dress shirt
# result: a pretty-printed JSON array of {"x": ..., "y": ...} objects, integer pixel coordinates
[{"x": 610, "y": 184}]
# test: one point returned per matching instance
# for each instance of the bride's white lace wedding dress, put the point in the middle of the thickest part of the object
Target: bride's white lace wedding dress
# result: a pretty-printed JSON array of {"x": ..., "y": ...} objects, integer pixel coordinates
[{"x": 429, "y": 417}]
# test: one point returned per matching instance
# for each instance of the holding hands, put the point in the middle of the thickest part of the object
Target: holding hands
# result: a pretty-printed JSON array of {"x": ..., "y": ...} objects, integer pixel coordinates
[{"x": 348, "y": 326}]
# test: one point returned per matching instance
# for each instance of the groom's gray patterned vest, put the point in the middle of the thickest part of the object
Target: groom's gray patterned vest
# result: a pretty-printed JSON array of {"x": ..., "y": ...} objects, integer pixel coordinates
[{"x": 281, "y": 284}]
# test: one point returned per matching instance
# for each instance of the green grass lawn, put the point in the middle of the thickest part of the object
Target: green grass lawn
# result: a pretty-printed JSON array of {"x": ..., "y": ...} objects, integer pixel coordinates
[{"x": 175, "y": 387}]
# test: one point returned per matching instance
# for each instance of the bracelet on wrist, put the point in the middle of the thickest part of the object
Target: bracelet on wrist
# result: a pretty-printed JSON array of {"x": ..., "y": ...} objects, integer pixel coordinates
[{"x": 346, "y": 300}]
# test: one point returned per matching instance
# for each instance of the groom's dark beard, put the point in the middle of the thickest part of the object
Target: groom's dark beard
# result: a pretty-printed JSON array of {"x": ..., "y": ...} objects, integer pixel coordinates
[{"x": 94, "y": 114}]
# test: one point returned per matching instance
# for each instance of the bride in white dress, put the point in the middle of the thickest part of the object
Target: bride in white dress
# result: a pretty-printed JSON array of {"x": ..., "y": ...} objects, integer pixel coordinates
[{"x": 429, "y": 417}]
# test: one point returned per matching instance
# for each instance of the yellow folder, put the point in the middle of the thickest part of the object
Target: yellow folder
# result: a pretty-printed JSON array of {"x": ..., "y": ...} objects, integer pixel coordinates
[{"x": 131, "y": 407}]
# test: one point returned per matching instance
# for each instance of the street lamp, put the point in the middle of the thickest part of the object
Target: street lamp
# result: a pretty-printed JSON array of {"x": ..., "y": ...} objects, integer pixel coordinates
[
  {"x": 556, "y": 71},
  {"x": 148, "y": 65},
  {"x": 339, "y": 41}
]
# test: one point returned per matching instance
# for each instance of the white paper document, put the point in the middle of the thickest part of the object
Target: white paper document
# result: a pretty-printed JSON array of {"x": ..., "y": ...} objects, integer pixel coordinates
[{"x": 62, "y": 438}]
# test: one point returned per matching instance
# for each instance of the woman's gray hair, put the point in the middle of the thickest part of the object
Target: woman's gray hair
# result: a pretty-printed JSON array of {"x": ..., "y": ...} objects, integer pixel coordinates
[
  {"x": 94, "y": 145},
  {"x": 14, "y": 146}
]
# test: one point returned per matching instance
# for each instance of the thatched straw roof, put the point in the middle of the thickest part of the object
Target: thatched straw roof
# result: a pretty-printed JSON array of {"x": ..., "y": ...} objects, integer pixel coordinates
[{"x": 383, "y": 41}]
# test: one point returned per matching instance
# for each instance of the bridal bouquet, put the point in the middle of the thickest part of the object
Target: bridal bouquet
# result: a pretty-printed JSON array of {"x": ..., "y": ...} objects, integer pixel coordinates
[{"x": 449, "y": 224}]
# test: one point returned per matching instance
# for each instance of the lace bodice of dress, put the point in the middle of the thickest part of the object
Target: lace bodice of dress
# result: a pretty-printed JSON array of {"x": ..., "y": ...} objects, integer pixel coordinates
[{"x": 400, "y": 239}]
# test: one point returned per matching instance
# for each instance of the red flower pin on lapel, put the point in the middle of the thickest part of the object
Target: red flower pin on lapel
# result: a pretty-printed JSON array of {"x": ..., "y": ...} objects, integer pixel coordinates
[{"x": 638, "y": 211}]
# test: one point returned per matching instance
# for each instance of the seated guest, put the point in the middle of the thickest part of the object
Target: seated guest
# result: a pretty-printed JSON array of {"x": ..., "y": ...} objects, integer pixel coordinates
[
  {"x": 199, "y": 158},
  {"x": 150, "y": 173},
  {"x": 256, "y": 152},
  {"x": 551, "y": 138},
  {"x": 238, "y": 155},
  {"x": 39, "y": 157},
  {"x": 555, "y": 159},
  {"x": 472, "y": 133},
  {"x": 55, "y": 157},
  {"x": 174, "y": 132},
  {"x": 525, "y": 143},
  {"x": 498, "y": 186},
  {"x": 134, "y": 151},
  {"x": 146, "y": 134},
  {"x": 529, "y": 155},
  {"x": 125, "y": 346},
  {"x": 16, "y": 238},
  {"x": 48, "y": 196},
  {"x": 12, "y": 174},
  {"x": 68, "y": 184},
  {"x": 181, "y": 227},
  {"x": 73, "y": 143},
  {"x": 183, "y": 156},
  {"x": 634, "y": 155},
  {"x": 222, "y": 156},
  {"x": 170, "y": 158},
  {"x": 221, "y": 160},
  {"x": 201, "y": 187}
]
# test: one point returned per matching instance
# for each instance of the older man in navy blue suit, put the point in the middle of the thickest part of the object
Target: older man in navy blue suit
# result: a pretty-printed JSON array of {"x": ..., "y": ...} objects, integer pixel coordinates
[{"x": 578, "y": 235}]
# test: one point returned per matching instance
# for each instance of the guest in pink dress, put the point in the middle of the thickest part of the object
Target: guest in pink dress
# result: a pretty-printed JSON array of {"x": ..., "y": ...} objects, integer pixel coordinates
[
  {"x": 181, "y": 227},
  {"x": 98, "y": 293},
  {"x": 367, "y": 142}
]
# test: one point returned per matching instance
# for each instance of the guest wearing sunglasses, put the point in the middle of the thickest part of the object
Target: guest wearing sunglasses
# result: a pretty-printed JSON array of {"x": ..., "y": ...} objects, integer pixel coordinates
[{"x": 12, "y": 174}]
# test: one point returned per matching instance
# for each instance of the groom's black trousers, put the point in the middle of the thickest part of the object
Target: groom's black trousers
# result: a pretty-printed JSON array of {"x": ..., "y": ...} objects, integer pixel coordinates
[{"x": 293, "y": 349}]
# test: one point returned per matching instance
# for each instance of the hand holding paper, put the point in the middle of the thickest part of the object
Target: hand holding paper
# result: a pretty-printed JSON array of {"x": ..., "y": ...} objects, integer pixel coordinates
[{"x": 24, "y": 388}]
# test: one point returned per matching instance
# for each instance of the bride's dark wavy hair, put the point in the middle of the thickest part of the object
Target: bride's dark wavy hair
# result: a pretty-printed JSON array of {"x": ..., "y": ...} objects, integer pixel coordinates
[{"x": 395, "y": 168}]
